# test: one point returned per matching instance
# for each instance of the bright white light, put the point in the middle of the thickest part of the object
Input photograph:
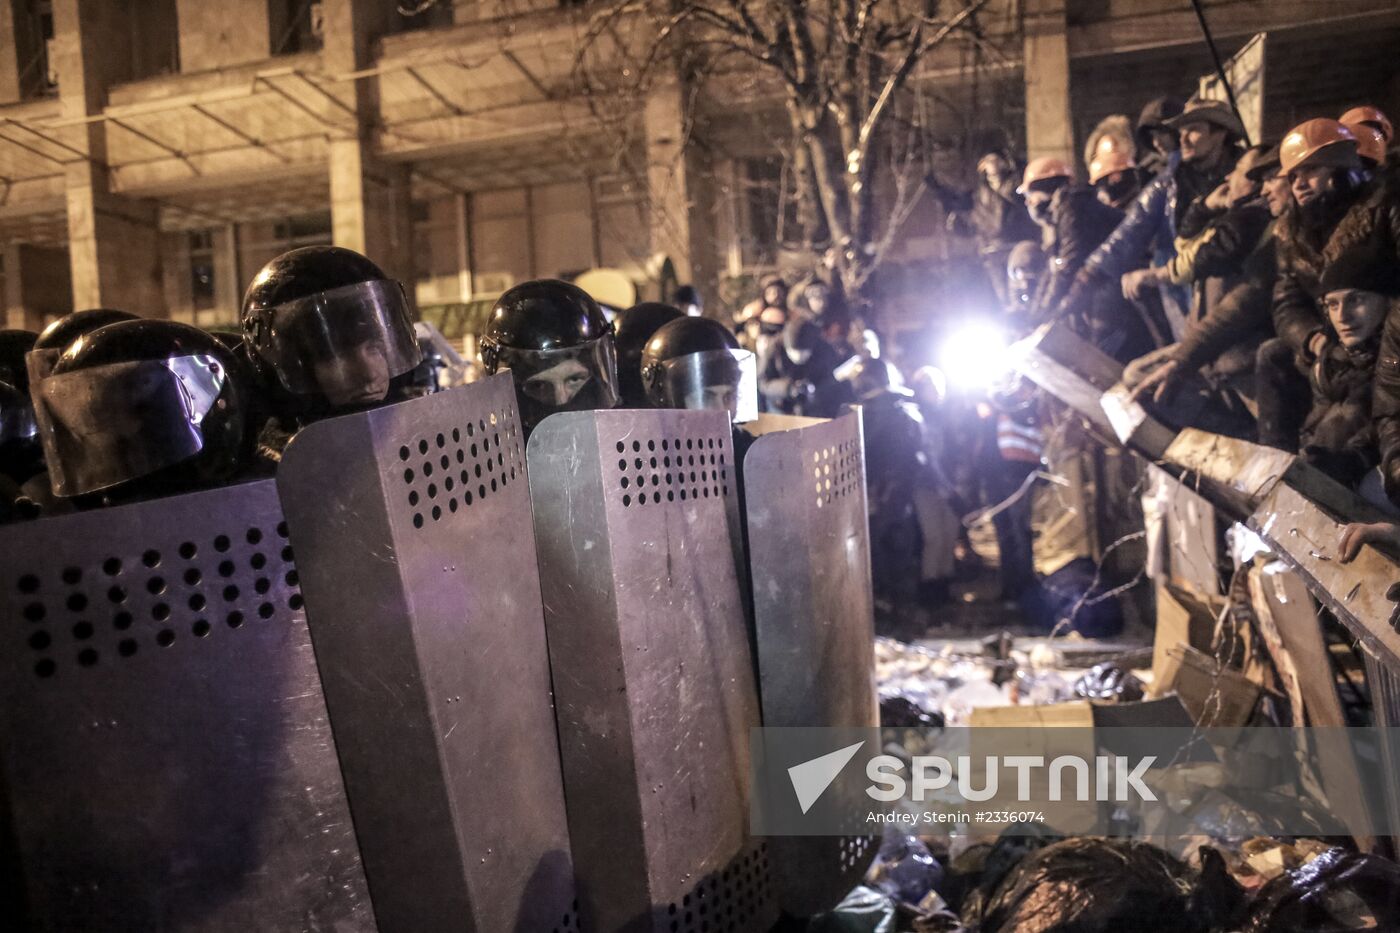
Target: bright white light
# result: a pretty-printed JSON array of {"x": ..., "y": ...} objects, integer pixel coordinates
[{"x": 975, "y": 356}]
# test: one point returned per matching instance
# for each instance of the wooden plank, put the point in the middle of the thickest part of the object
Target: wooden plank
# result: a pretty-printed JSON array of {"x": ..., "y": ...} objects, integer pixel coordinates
[
  {"x": 1307, "y": 538},
  {"x": 1134, "y": 427},
  {"x": 1069, "y": 368}
]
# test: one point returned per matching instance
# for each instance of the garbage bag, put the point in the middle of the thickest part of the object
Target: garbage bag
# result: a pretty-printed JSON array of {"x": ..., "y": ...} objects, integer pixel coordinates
[
  {"x": 901, "y": 712},
  {"x": 906, "y": 870},
  {"x": 1012, "y": 846},
  {"x": 1095, "y": 885},
  {"x": 1338, "y": 890},
  {"x": 1109, "y": 682},
  {"x": 864, "y": 910}
]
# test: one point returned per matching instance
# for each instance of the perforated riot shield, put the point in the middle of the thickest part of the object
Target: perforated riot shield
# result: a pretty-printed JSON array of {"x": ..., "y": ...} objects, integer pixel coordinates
[
  {"x": 653, "y": 677},
  {"x": 417, "y": 552},
  {"x": 809, "y": 560},
  {"x": 167, "y": 760}
]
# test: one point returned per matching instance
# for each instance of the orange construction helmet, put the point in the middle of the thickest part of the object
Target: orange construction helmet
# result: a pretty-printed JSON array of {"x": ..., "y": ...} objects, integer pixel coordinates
[
  {"x": 1371, "y": 116},
  {"x": 1108, "y": 163},
  {"x": 1318, "y": 142},
  {"x": 1370, "y": 143},
  {"x": 1043, "y": 169}
]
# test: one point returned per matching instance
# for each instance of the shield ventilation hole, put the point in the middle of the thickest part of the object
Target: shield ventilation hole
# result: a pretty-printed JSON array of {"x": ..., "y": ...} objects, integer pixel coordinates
[{"x": 119, "y": 606}]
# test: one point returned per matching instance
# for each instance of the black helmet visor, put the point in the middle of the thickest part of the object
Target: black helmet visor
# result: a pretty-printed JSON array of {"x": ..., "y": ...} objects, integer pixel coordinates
[
  {"x": 720, "y": 379},
  {"x": 345, "y": 344},
  {"x": 578, "y": 378},
  {"x": 111, "y": 424}
]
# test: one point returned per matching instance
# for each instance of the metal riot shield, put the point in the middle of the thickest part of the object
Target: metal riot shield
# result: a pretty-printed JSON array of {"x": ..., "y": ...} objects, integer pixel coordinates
[
  {"x": 653, "y": 677},
  {"x": 809, "y": 559},
  {"x": 412, "y": 522},
  {"x": 167, "y": 762}
]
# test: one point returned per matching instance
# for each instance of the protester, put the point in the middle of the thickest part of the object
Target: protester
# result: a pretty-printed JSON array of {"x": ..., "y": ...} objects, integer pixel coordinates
[
  {"x": 1334, "y": 211},
  {"x": 994, "y": 215},
  {"x": 1209, "y": 133},
  {"x": 1075, "y": 223},
  {"x": 1230, "y": 263}
]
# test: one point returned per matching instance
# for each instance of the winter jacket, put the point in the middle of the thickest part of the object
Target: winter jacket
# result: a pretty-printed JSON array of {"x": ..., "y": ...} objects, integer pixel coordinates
[
  {"x": 1081, "y": 223},
  {"x": 810, "y": 389},
  {"x": 1368, "y": 231},
  {"x": 1338, "y": 436},
  {"x": 1226, "y": 338},
  {"x": 1231, "y": 263},
  {"x": 1151, "y": 224},
  {"x": 998, "y": 221}
]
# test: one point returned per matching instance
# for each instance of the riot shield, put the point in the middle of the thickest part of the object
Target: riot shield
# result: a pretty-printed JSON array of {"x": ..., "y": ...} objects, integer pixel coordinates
[
  {"x": 167, "y": 759},
  {"x": 653, "y": 678},
  {"x": 809, "y": 560},
  {"x": 417, "y": 552}
]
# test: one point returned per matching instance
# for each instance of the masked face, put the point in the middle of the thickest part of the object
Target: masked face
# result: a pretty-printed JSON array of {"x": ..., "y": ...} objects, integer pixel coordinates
[
  {"x": 576, "y": 378},
  {"x": 1116, "y": 188},
  {"x": 1038, "y": 206},
  {"x": 1356, "y": 315},
  {"x": 558, "y": 385}
]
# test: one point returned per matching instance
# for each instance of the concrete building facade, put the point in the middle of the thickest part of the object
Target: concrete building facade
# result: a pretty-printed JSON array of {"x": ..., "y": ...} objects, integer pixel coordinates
[{"x": 154, "y": 153}]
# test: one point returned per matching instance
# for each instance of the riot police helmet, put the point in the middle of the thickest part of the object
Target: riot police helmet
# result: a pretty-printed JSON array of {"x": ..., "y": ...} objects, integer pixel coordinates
[
  {"x": 558, "y": 347},
  {"x": 633, "y": 328},
  {"x": 62, "y": 332},
  {"x": 695, "y": 362},
  {"x": 327, "y": 331},
  {"x": 142, "y": 408}
]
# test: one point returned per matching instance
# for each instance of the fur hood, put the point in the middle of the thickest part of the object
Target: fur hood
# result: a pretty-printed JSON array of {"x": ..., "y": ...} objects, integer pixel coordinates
[{"x": 1364, "y": 234}]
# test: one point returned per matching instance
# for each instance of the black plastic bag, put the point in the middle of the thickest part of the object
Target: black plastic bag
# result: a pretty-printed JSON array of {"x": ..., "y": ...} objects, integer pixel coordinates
[
  {"x": 1095, "y": 885},
  {"x": 1338, "y": 890},
  {"x": 1109, "y": 683}
]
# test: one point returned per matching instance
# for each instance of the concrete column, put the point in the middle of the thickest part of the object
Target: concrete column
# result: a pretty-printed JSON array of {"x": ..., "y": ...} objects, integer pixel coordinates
[
  {"x": 10, "y": 55},
  {"x": 681, "y": 205},
  {"x": 36, "y": 285},
  {"x": 113, "y": 241},
  {"x": 230, "y": 32},
  {"x": 370, "y": 199},
  {"x": 1049, "y": 123}
]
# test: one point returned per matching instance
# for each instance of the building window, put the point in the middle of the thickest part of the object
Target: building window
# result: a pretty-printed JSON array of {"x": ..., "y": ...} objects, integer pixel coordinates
[
  {"x": 34, "y": 49},
  {"x": 297, "y": 26},
  {"x": 203, "y": 295},
  {"x": 762, "y": 193},
  {"x": 155, "y": 38}
]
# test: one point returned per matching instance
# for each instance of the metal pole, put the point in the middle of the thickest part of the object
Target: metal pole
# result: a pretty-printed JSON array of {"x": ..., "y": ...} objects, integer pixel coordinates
[{"x": 1220, "y": 68}]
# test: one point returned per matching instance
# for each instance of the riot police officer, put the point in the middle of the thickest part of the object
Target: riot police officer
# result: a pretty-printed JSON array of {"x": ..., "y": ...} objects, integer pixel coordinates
[
  {"x": 558, "y": 347},
  {"x": 142, "y": 408},
  {"x": 632, "y": 329},
  {"x": 695, "y": 362},
  {"x": 328, "y": 333}
]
